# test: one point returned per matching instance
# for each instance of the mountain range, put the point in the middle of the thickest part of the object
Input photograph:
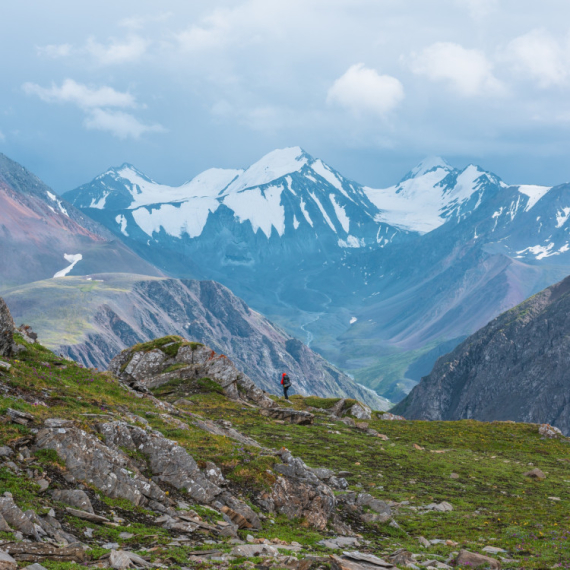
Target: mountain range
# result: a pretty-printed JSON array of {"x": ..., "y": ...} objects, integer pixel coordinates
[{"x": 381, "y": 282}]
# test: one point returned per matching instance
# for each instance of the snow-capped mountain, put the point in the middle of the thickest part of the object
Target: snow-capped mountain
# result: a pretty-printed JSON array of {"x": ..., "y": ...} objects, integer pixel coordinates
[
  {"x": 432, "y": 193},
  {"x": 285, "y": 193},
  {"x": 375, "y": 279}
]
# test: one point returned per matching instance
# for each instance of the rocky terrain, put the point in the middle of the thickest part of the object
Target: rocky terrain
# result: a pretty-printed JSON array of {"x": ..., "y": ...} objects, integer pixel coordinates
[
  {"x": 91, "y": 319},
  {"x": 515, "y": 368},
  {"x": 153, "y": 465}
]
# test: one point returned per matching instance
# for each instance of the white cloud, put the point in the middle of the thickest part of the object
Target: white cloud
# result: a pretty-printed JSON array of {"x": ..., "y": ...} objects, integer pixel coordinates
[
  {"x": 364, "y": 91},
  {"x": 80, "y": 95},
  {"x": 98, "y": 104},
  {"x": 130, "y": 50},
  {"x": 540, "y": 56},
  {"x": 479, "y": 8},
  {"x": 468, "y": 71},
  {"x": 117, "y": 52},
  {"x": 56, "y": 50},
  {"x": 215, "y": 32},
  {"x": 118, "y": 123}
]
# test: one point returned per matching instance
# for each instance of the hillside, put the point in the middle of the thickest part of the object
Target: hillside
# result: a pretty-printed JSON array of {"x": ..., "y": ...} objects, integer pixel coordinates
[
  {"x": 79, "y": 448},
  {"x": 92, "y": 319},
  {"x": 42, "y": 235},
  {"x": 515, "y": 368}
]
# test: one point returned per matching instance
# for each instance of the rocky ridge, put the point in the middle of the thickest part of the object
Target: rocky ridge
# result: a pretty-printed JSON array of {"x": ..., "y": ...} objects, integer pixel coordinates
[{"x": 515, "y": 368}]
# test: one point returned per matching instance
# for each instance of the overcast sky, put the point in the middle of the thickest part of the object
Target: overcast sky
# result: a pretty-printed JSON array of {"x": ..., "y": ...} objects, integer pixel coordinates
[{"x": 370, "y": 86}]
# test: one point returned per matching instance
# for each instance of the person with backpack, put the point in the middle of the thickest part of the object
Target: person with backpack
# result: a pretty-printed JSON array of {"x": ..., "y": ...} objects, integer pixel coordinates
[{"x": 286, "y": 383}]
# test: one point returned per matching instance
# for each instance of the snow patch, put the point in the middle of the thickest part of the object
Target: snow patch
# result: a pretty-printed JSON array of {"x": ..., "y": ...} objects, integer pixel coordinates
[
  {"x": 99, "y": 204},
  {"x": 351, "y": 241},
  {"x": 353, "y": 320},
  {"x": 305, "y": 213},
  {"x": 296, "y": 222},
  {"x": 341, "y": 215},
  {"x": 562, "y": 217},
  {"x": 122, "y": 220},
  {"x": 323, "y": 212},
  {"x": 71, "y": 258},
  {"x": 51, "y": 196},
  {"x": 325, "y": 172},
  {"x": 534, "y": 193},
  {"x": 262, "y": 209}
]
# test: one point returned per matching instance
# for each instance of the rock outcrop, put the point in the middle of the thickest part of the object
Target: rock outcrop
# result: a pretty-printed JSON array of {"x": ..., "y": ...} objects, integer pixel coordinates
[
  {"x": 515, "y": 368},
  {"x": 153, "y": 364},
  {"x": 7, "y": 329},
  {"x": 299, "y": 493}
]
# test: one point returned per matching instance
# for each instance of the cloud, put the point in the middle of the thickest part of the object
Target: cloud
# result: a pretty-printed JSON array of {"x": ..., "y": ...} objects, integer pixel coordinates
[
  {"x": 117, "y": 52},
  {"x": 468, "y": 71},
  {"x": 80, "y": 95},
  {"x": 2, "y": 137},
  {"x": 215, "y": 32},
  {"x": 479, "y": 8},
  {"x": 540, "y": 56},
  {"x": 362, "y": 90},
  {"x": 97, "y": 104},
  {"x": 55, "y": 51},
  {"x": 118, "y": 123}
]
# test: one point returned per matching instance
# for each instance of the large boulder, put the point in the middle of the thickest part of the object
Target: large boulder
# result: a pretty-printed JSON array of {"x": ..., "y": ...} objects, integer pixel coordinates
[
  {"x": 150, "y": 365},
  {"x": 299, "y": 493},
  {"x": 168, "y": 461},
  {"x": 110, "y": 470},
  {"x": 7, "y": 328}
]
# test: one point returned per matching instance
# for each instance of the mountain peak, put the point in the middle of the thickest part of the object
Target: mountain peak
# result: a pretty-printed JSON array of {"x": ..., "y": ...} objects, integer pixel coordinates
[
  {"x": 427, "y": 165},
  {"x": 272, "y": 166}
]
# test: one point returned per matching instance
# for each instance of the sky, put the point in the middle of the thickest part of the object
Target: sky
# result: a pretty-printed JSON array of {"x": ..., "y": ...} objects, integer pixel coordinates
[{"x": 369, "y": 86}]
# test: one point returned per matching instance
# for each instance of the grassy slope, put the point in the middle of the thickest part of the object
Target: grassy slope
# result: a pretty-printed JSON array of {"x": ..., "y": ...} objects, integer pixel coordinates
[{"x": 494, "y": 503}]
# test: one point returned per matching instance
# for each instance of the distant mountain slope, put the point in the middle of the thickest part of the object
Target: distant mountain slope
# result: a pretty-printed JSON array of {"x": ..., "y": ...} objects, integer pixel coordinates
[
  {"x": 41, "y": 234},
  {"x": 515, "y": 368},
  {"x": 375, "y": 280},
  {"x": 93, "y": 319}
]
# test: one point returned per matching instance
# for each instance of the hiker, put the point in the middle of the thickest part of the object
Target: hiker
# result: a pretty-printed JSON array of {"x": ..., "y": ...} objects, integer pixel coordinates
[{"x": 286, "y": 383}]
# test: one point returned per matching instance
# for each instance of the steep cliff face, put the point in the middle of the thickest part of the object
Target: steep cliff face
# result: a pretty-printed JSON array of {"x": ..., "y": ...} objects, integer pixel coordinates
[
  {"x": 92, "y": 319},
  {"x": 515, "y": 368}
]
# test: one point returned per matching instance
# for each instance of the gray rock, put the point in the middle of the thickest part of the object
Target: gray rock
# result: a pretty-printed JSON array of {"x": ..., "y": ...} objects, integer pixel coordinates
[
  {"x": 34, "y": 566},
  {"x": 147, "y": 369},
  {"x": 336, "y": 410},
  {"x": 121, "y": 559},
  {"x": 340, "y": 542},
  {"x": 16, "y": 518},
  {"x": 366, "y": 500},
  {"x": 75, "y": 498},
  {"x": 5, "y": 451},
  {"x": 91, "y": 517},
  {"x": 535, "y": 473},
  {"x": 217, "y": 428},
  {"x": 361, "y": 411},
  {"x": 298, "y": 417},
  {"x": 110, "y": 470},
  {"x": 5, "y": 366},
  {"x": 474, "y": 560},
  {"x": 322, "y": 473},
  {"x": 299, "y": 493},
  {"x": 251, "y": 550},
  {"x": 7, "y": 562},
  {"x": 168, "y": 461},
  {"x": 57, "y": 423},
  {"x": 7, "y": 328}
]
